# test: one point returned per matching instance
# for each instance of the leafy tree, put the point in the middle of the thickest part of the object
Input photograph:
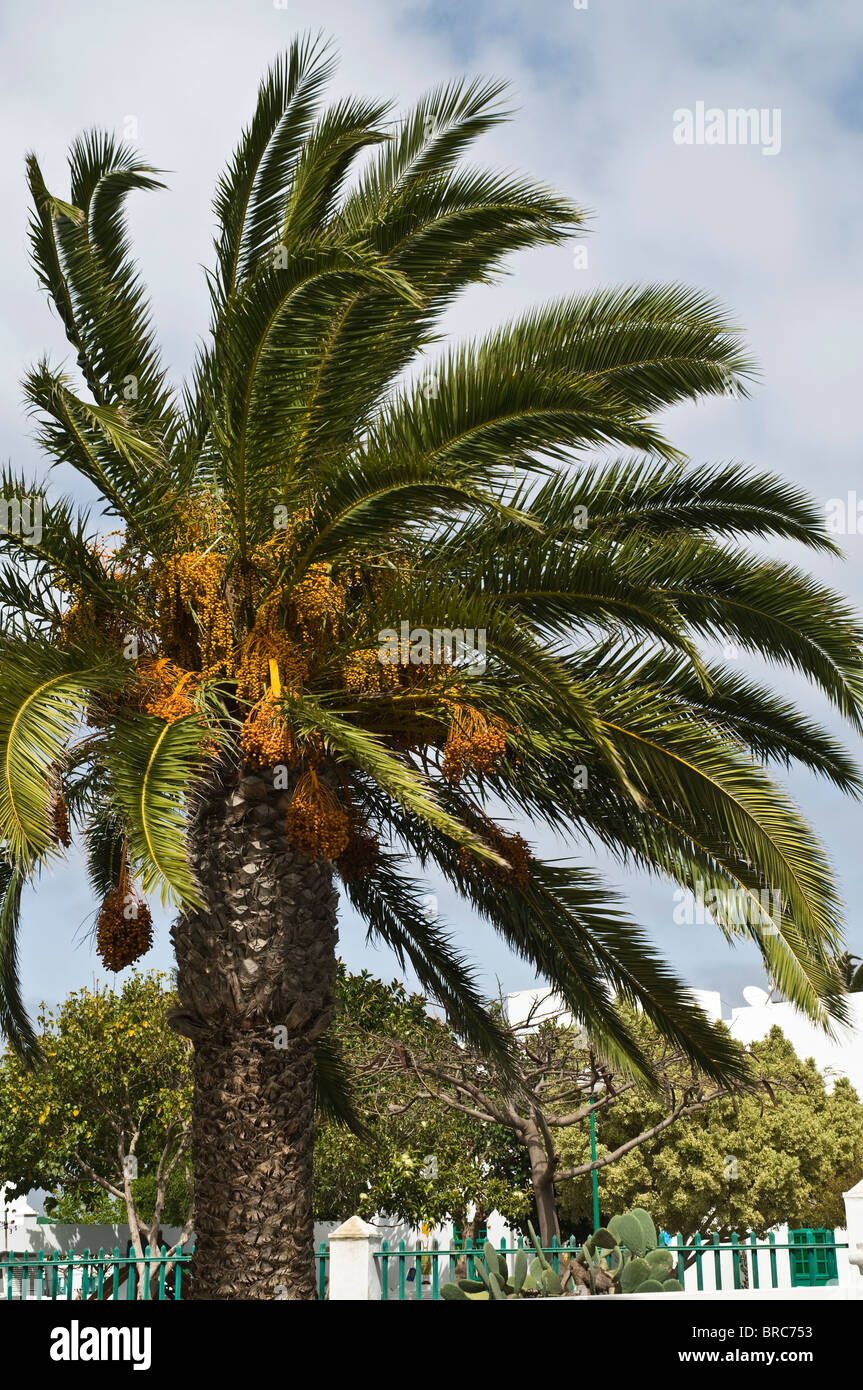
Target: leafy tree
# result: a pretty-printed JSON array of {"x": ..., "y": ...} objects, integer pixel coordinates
[
  {"x": 561, "y": 1077},
  {"x": 115, "y": 1080},
  {"x": 80, "y": 1206},
  {"x": 414, "y": 1158},
  {"x": 377, "y": 1166},
  {"x": 321, "y": 479},
  {"x": 742, "y": 1165}
]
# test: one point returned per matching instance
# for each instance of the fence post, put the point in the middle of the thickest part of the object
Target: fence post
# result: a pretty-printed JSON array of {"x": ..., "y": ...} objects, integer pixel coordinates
[
  {"x": 352, "y": 1261},
  {"x": 854, "y": 1226}
]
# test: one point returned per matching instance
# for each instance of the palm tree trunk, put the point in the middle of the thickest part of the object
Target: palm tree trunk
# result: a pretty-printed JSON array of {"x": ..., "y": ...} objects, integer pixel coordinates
[
  {"x": 255, "y": 973},
  {"x": 253, "y": 1146}
]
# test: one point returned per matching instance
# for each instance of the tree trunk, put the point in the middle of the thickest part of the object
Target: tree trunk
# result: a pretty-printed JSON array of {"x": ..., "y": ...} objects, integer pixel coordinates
[
  {"x": 469, "y": 1231},
  {"x": 255, "y": 974},
  {"x": 542, "y": 1181},
  {"x": 472, "y": 1227}
]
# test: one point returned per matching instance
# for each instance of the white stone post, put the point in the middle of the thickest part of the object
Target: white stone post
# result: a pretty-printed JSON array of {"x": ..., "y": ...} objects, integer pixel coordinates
[
  {"x": 353, "y": 1267},
  {"x": 854, "y": 1231}
]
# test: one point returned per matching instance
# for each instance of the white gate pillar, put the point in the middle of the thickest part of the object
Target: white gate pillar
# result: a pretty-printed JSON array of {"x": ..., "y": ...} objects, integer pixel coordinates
[
  {"x": 353, "y": 1267},
  {"x": 854, "y": 1226}
]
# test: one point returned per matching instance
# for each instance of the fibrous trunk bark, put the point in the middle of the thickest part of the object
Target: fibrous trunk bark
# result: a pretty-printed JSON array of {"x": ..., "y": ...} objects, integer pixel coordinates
[{"x": 255, "y": 973}]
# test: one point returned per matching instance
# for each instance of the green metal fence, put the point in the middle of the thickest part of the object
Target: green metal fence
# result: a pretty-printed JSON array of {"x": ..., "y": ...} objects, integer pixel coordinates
[
  {"x": 813, "y": 1257},
  {"x": 103, "y": 1275},
  {"x": 418, "y": 1272},
  {"x": 754, "y": 1264},
  {"x": 108, "y": 1275}
]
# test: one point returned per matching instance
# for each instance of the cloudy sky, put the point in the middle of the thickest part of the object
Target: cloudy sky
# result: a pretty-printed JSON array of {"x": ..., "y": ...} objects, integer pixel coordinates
[{"x": 771, "y": 228}]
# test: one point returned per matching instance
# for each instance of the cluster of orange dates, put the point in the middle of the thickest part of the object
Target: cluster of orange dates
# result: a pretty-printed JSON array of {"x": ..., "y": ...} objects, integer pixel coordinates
[
  {"x": 296, "y": 626},
  {"x": 124, "y": 929}
]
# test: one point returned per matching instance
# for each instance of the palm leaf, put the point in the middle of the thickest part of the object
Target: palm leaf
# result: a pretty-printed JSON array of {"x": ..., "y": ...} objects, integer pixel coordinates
[
  {"x": 14, "y": 1022},
  {"x": 153, "y": 767},
  {"x": 44, "y": 694}
]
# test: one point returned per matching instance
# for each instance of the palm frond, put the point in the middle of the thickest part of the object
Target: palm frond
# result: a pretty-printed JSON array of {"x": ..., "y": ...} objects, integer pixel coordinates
[
  {"x": 393, "y": 909},
  {"x": 153, "y": 767},
  {"x": 44, "y": 694},
  {"x": 82, "y": 258},
  {"x": 334, "y": 1089},
  {"x": 252, "y": 192},
  {"x": 14, "y": 1023}
]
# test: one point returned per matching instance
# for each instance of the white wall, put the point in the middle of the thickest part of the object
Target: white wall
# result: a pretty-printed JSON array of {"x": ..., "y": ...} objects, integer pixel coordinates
[
  {"x": 539, "y": 1005},
  {"x": 840, "y": 1057},
  {"x": 22, "y": 1232}
]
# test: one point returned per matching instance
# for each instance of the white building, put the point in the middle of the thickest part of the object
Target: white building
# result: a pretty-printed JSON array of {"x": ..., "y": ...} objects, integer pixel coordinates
[{"x": 17, "y": 1220}]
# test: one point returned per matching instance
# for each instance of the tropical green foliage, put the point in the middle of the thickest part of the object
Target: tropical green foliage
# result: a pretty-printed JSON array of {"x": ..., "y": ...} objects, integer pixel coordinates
[
  {"x": 746, "y": 1165},
  {"x": 80, "y": 1206},
  {"x": 851, "y": 971},
  {"x": 786, "y": 1151},
  {"x": 373, "y": 1136},
  {"x": 328, "y": 472}
]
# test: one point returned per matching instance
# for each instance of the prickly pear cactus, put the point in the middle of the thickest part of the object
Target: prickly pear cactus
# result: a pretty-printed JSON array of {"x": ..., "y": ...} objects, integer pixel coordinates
[
  {"x": 533, "y": 1277},
  {"x": 624, "y": 1257},
  {"x": 648, "y": 1266}
]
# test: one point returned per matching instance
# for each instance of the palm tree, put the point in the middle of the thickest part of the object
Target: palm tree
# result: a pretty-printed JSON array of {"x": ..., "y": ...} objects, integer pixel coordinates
[
  {"x": 216, "y": 699},
  {"x": 851, "y": 972}
]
